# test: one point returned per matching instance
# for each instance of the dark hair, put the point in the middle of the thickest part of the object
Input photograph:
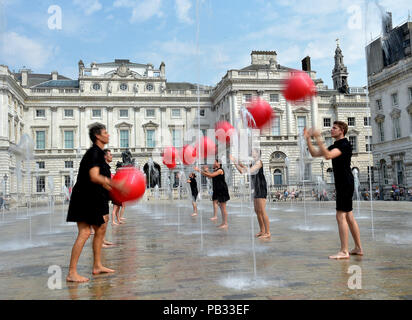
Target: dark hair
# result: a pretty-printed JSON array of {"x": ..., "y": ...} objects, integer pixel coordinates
[
  {"x": 218, "y": 161},
  {"x": 343, "y": 126},
  {"x": 95, "y": 130},
  {"x": 106, "y": 151}
]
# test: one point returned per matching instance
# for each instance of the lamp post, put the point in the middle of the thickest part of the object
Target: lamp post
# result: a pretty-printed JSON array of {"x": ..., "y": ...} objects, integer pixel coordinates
[{"x": 321, "y": 165}]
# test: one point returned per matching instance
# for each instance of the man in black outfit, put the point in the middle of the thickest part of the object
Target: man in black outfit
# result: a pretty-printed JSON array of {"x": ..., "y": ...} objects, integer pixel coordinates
[
  {"x": 89, "y": 203},
  {"x": 340, "y": 153}
]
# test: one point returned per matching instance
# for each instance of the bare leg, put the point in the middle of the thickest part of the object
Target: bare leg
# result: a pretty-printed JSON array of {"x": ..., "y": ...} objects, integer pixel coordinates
[
  {"x": 215, "y": 206},
  {"x": 122, "y": 213},
  {"x": 224, "y": 215},
  {"x": 105, "y": 242},
  {"x": 83, "y": 235},
  {"x": 194, "y": 209},
  {"x": 265, "y": 218},
  {"x": 97, "y": 249},
  {"x": 114, "y": 214},
  {"x": 343, "y": 235},
  {"x": 354, "y": 229},
  {"x": 259, "y": 218}
]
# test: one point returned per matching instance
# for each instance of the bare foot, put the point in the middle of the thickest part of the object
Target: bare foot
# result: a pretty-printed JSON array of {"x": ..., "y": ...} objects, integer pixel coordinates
[
  {"x": 114, "y": 223},
  {"x": 122, "y": 218},
  {"x": 76, "y": 278},
  {"x": 222, "y": 226},
  {"x": 213, "y": 218},
  {"x": 356, "y": 252},
  {"x": 340, "y": 255},
  {"x": 258, "y": 234},
  {"x": 265, "y": 236},
  {"x": 108, "y": 243},
  {"x": 121, "y": 222},
  {"x": 99, "y": 270},
  {"x": 194, "y": 214}
]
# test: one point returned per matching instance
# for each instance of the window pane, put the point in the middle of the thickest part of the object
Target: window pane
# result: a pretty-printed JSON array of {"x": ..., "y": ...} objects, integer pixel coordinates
[
  {"x": 124, "y": 138},
  {"x": 40, "y": 140},
  {"x": 274, "y": 98},
  {"x": 68, "y": 164},
  {"x": 176, "y": 135},
  {"x": 326, "y": 122},
  {"x": 40, "y": 113},
  {"x": 301, "y": 124},
  {"x": 276, "y": 127},
  {"x": 351, "y": 121},
  {"x": 97, "y": 113},
  {"x": 176, "y": 113},
  {"x": 353, "y": 142},
  {"x": 150, "y": 141},
  {"x": 124, "y": 113},
  {"x": 68, "y": 140},
  {"x": 68, "y": 113},
  {"x": 41, "y": 184}
]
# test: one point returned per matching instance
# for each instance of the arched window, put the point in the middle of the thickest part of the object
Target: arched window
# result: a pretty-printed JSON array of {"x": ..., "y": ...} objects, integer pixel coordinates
[{"x": 277, "y": 177}]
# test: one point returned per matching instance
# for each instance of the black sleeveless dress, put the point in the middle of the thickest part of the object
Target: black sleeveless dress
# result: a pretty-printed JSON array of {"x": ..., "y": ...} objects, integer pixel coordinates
[
  {"x": 89, "y": 201},
  {"x": 220, "y": 189},
  {"x": 259, "y": 184}
]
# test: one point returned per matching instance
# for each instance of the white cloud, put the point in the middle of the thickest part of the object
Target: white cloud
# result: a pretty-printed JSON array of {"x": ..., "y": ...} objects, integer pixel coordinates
[
  {"x": 21, "y": 50},
  {"x": 89, "y": 6},
  {"x": 141, "y": 10},
  {"x": 182, "y": 10}
]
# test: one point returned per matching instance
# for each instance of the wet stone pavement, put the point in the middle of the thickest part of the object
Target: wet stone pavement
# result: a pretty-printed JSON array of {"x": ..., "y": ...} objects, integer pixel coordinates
[{"x": 162, "y": 252}]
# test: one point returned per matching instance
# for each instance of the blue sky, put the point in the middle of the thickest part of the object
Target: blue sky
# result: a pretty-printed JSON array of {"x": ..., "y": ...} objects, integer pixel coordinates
[{"x": 151, "y": 31}]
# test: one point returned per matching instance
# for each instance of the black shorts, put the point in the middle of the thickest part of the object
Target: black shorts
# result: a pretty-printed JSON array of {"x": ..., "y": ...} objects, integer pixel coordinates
[{"x": 344, "y": 200}]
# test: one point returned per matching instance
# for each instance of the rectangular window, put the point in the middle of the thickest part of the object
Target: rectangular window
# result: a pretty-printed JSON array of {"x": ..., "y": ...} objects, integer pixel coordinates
[
  {"x": 247, "y": 98},
  {"x": 150, "y": 113},
  {"x": 396, "y": 128},
  {"x": 308, "y": 171},
  {"x": 177, "y": 137},
  {"x": 381, "y": 130},
  {"x": 367, "y": 121},
  {"x": 96, "y": 113},
  {"x": 202, "y": 112},
  {"x": 124, "y": 138},
  {"x": 150, "y": 138},
  {"x": 41, "y": 140},
  {"x": 301, "y": 124},
  {"x": 40, "y": 113},
  {"x": 353, "y": 141},
  {"x": 67, "y": 182},
  {"x": 175, "y": 113},
  {"x": 394, "y": 98},
  {"x": 276, "y": 127},
  {"x": 40, "y": 165},
  {"x": 326, "y": 122},
  {"x": 368, "y": 143},
  {"x": 274, "y": 98},
  {"x": 328, "y": 141},
  {"x": 124, "y": 113},
  {"x": 399, "y": 172},
  {"x": 68, "y": 164},
  {"x": 379, "y": 104},
  {"x": 351, "y": 121},
  {"x": 68, "y": 113},
  {"x": 371, "y": 170},
  {"x": 41, "y": 184},
  {"x": 68, "y": 139}
]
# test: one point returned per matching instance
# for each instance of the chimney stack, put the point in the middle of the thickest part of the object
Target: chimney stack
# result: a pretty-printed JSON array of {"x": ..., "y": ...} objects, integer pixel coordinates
[
  {"x": 306, "y": 64},
  {"x": 24, "y": 76},
  {"x": 54, "y": 75}
]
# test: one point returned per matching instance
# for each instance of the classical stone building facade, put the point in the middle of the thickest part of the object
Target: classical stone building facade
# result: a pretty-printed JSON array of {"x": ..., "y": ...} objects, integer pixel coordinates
[
  {"x": 143, "y": 112},
  {"x": 390, "y": 92}
]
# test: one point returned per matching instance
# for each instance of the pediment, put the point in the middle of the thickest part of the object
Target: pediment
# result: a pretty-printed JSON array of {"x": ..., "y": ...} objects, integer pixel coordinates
[
  {"x": 123, "y": 124},
  {"x": 301, "y": 110},
  {"x": 150, "y": 124}
]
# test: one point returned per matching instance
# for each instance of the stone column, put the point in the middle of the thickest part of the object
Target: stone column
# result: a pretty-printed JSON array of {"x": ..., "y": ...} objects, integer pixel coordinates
[
  {"x": 81, "y": 129},
  {"x": 52, "y": 131},
  {"x": 109, "y": 120},
  {"x": 289, "y": 119},
  {"x": 314, "y": 111},
  {"x": 233, "y": 107}
]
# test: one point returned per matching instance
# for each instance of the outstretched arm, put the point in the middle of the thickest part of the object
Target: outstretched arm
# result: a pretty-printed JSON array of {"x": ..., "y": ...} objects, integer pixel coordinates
[
  {"x": 312, "y": 150},
  {"x": 208, "y": 174},
  {"x": 327, "y": 154},
  {"x": 237, "y": 164}
]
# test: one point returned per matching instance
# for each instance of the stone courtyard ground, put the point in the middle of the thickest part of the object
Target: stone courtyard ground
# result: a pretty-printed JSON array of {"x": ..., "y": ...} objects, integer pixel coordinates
[{"x": 164, "y": 253}]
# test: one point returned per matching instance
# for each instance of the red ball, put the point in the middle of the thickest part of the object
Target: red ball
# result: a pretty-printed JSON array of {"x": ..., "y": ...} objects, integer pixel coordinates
[
  {"x": 299, "y": 86},
  {"x": 134, "y": 185},
  {"x": 169, "y": 157},
  {"x": 206, "y": 147},
  {"x": 224, "y": 130},
  {"x": 188, "y": 155},
  {"x": 261, "y": 112}
]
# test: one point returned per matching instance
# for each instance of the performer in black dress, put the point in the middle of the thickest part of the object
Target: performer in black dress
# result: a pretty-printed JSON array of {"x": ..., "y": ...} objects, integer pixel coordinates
[
  {"x": 220, "y": 190},
  {"x": 195, "y": 192},
  {"x": 340, "y": 153},
  {"x": 259, "y": 186},
  {"x": 89, "y": 202}
]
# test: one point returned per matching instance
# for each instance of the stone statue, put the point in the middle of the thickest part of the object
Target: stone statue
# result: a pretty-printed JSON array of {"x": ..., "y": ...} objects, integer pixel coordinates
[
  {"x": 136, "y": 88},
  {"x": 127, "y": 160},
  {"x": 109, "y": 87}
]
